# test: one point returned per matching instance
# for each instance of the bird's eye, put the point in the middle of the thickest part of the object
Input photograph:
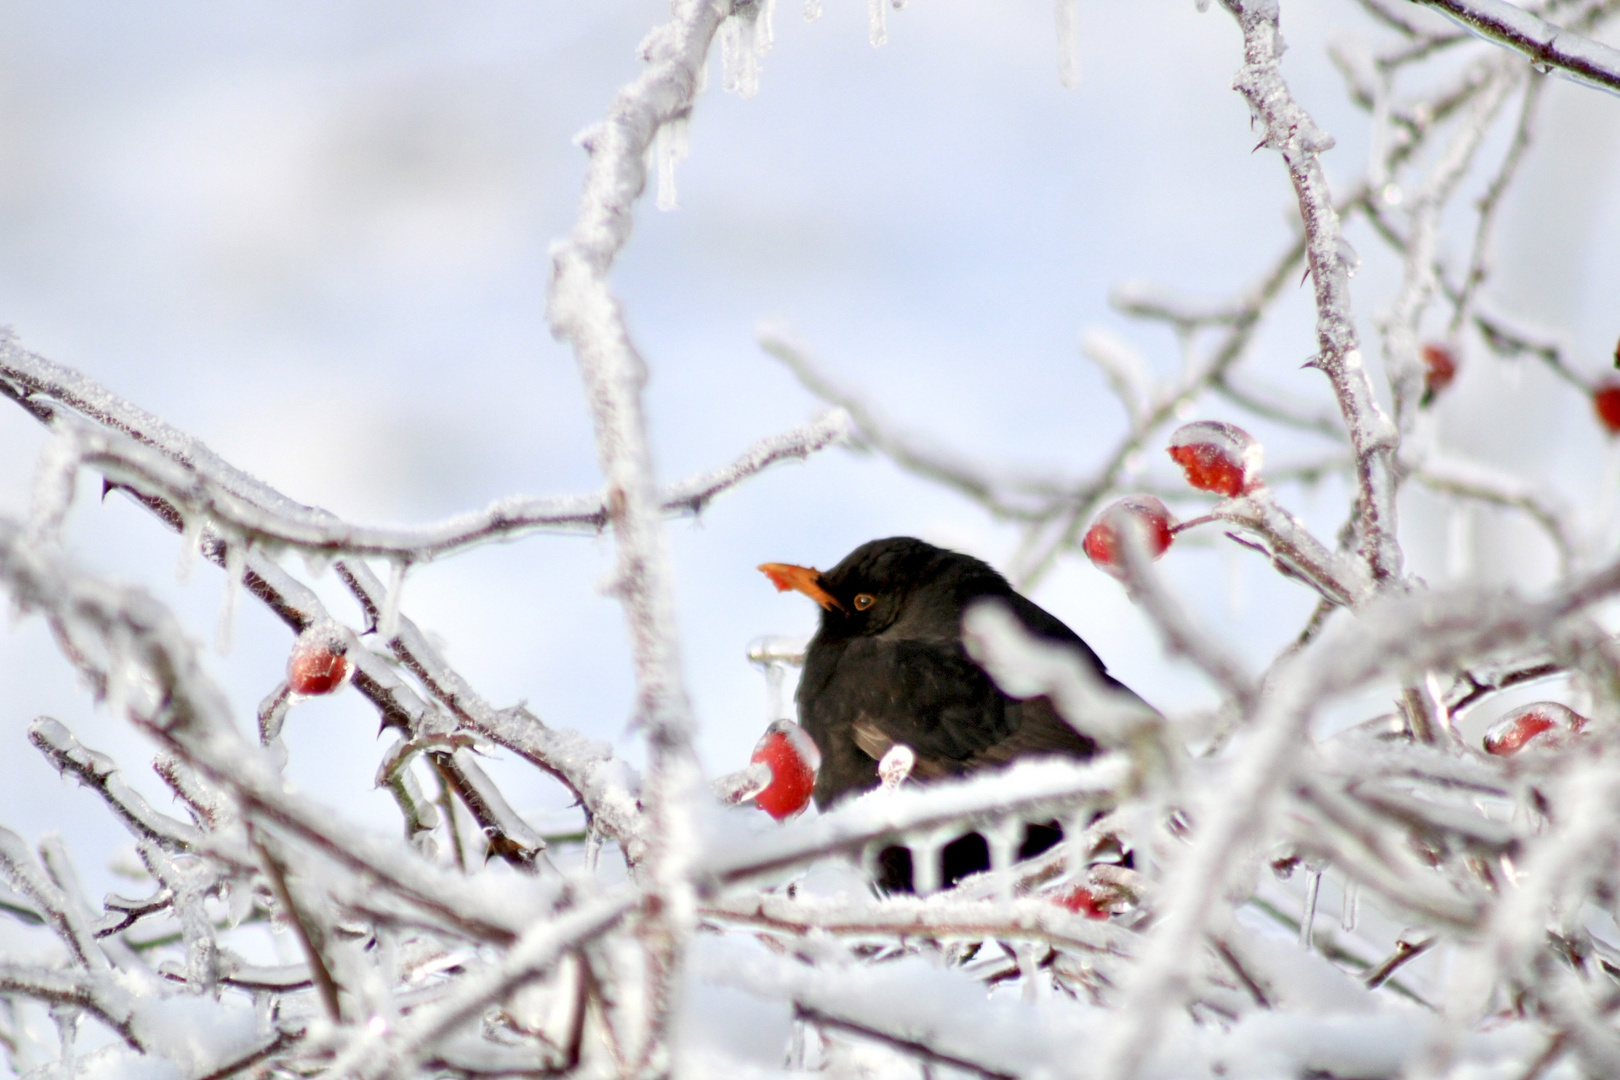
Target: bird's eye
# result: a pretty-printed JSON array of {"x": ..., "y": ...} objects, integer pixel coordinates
[{"x": 864, "y": 601}]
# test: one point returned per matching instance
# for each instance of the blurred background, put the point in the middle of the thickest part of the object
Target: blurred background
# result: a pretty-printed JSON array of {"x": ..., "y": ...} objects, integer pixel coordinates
[{"x": 315, "y": 234}]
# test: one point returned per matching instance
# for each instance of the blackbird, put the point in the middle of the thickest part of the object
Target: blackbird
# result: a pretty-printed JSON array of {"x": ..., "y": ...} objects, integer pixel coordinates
[{"x": 888, "y": 666}]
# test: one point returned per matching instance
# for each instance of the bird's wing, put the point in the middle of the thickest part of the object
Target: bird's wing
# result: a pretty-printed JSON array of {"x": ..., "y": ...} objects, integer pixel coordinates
[
  {"x": 1038, "y": 730},
  {"x": 929, "y": 695}
]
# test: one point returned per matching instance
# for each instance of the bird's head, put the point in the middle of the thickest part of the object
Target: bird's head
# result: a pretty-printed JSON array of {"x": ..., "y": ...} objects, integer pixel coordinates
[{"x": 896, "y": 582}]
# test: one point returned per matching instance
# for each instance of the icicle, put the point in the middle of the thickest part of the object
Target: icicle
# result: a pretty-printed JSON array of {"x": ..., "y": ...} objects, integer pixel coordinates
[
  {"x": 235, "y": 567},
  {"x": 670, "y": 148},
  {"x": 1068, "y": 41},
  {"x": 1347, "y": 912},
  {"x": 1075, "y": 855},
  {"x": 880, "y": 30},
  {"x": 767, "y": 26},
  {"x": 55, "y": 478},
  {"x": 67, "y": 1027},
  {"x": 593, "y": 844},
  {"x": 812, "y": 10},
  {"x": 925, "y": 852},
  {"x": 1608, "y": 486},
  {"x": 1313, "y": 885},
  {"x": 317, "y": 563},
  {"x": 190, "y": 542},
  {"x": 740, "y": 51},
  {"x": 1459, "y": 540},
  {"x": 1029, "y": 971},
  {"x": 388, "y": 618},
  {"x": 1002, "y": 840}
]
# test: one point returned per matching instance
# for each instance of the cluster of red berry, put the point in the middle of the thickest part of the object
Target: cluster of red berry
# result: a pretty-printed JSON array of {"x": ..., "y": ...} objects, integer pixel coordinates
[{"x": 1215, "y": 456}]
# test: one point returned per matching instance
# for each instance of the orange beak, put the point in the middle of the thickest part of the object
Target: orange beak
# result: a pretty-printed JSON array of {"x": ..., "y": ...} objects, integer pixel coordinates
[{"x": 804, "y": 579}]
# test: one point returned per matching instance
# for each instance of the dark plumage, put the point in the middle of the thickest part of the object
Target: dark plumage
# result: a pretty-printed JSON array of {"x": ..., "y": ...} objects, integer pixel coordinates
[{"x": 888, "y": 666}]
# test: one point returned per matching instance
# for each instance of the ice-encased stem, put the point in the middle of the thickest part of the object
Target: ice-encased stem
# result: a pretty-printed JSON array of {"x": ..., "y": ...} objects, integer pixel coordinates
[{"x": 584, "y": 313}]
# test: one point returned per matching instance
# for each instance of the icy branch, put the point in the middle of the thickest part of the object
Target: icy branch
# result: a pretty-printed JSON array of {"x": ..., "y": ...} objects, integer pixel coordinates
[
  {"x": 1290, "y": 131},
  {"x": 1547, "y": 46},
  {"x": 584, "y": 313},
  {"x": 1027, "y": 786}
]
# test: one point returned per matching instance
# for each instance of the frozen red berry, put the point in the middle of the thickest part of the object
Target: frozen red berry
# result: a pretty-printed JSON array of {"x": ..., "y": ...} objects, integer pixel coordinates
[
  {"x": 1217, "y": 456},
  {"x": 1545, "y": 724},
  {"x": 793, "y": 759},
  {"x": 1606, "y": 403},
  {"x": 1144, "y": 512},
  {"x": 319, "y": 663},
  {"x": 1439, "y": 369},
  {"x": 1083, "y": 901}
]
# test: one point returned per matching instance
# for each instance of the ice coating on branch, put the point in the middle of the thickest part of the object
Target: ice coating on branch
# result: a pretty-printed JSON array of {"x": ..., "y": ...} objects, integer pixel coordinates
[
  {"x": 1123, "y": 367},
  {"x": 742, "y": 785},
  {"x": 1543, "y": 725},
  {"x": 1217, "y": 456},
  {"x": 1148, "y": 517},
  {"x": 876, "y": 16}
]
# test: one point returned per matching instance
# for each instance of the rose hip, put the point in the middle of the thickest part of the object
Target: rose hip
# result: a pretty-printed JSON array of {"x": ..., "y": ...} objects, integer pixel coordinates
[
  {"x": 1103, "y": 539},
  {"x": 1217, "y": 456}
]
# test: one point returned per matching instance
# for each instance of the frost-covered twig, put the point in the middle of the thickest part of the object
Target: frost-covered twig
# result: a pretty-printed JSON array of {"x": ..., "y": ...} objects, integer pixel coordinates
[
  {"x": 189, "y": 714},
  {"x": 849, "y": 828},
  {"x": 996, "y": 493},
  {"x": 1491, "y": 200},
  {"x": 1294, "y": 549},
  {"x": 193, "y": 489},
  {"x": 1402, "y": 326},
  {"x": 584, "y": 312},
  {"x": 583, "y": 766},
  {"x": 942, "y": 916},
  {"x": 1289, "y": 130},
  {"x": 99, "y": 773},
  {"x": 100, "y": 996},
  {"x": 1548, "y": 46},
  {"x": 392, "y": 1053}
]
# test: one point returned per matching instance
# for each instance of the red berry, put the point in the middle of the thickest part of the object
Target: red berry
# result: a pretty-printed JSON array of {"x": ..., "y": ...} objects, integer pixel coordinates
[
  {"x": 1544, "y": 724},
  {"x": 793, "y": 759},
  {"x": 1439, "y": 369},
  {"x": 1217, "y": 457},
  {"x": 1102, "y": 542},
  {"x": 1082, "y": 901},
  {"x": 1606, "y": 402},
  {"x": 318, "y": 664}
]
